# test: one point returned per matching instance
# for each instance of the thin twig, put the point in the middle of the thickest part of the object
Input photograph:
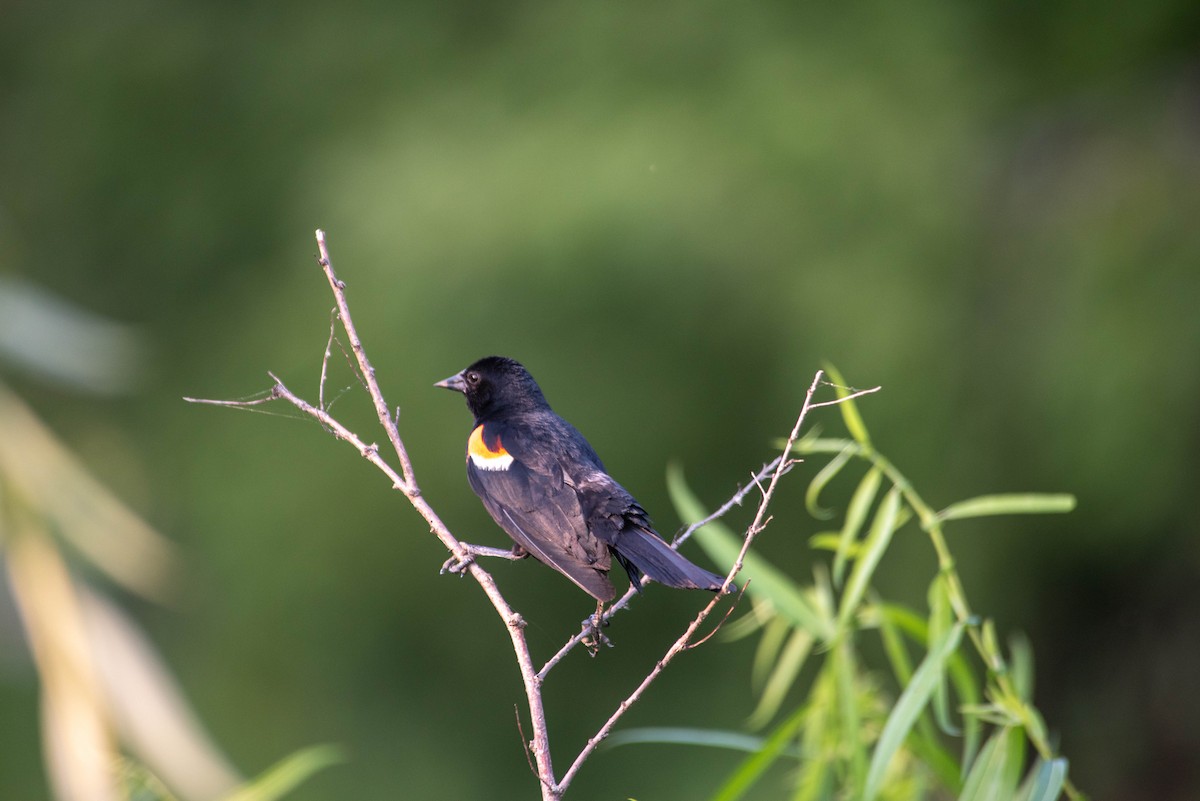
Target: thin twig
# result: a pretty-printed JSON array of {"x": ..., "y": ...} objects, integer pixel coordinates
[
  {"x": 235, "y": 403},
  {"x": 325, "y": 359},
  {"x": 722, "y": 621},
  {"x": 364, "y": 366},
  {"x": 844, "y": 398},
  {"x": 524, "y": 741}
]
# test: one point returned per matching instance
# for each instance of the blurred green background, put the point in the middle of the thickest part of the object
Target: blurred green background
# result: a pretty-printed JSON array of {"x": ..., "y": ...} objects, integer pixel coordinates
[{"x": 670, "y": 213}]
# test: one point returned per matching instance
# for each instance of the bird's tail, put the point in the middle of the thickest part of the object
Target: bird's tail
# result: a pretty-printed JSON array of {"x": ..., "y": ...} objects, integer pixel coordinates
[{"x": 641, "y": 551}]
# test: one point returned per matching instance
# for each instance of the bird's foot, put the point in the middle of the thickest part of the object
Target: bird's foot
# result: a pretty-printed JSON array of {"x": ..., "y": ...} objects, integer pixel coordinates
[
  {"x": 593, "y": 637},
  {"x": 458, "y": 565}
]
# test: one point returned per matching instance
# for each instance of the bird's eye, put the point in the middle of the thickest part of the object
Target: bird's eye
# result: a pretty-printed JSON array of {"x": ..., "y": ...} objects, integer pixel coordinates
[{"x": 473, "y": 379}]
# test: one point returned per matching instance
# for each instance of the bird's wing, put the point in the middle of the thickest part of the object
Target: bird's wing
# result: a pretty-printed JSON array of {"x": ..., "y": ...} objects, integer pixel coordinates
[
  {"x": 539, "y": 509},
  {"x": 620, "y": 522}
]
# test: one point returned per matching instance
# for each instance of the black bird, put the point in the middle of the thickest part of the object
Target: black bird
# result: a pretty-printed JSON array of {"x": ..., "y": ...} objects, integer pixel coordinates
[{"x": 544, "y": 485}]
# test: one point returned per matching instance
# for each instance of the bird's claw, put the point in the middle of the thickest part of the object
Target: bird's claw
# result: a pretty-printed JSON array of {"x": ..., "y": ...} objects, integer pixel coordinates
[
  {"x": 593, "y": 637},
  {"x": 457, "y": 566}
]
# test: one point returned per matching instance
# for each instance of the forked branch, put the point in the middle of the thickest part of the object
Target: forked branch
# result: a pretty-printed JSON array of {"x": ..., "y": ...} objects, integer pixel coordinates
[{"x": 404, "y": 480}]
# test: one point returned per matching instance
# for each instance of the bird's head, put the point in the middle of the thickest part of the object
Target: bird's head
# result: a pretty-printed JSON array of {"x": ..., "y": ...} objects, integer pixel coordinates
[{"x": 496, "y": 384}]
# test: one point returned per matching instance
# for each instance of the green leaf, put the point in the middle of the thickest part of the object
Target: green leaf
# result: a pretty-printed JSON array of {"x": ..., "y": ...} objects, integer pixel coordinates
[
  {"x": 851, "y": 417},
  {"x": 810, "y": 445},
  {"x": 893, "y": 645},
  {"x": 707, "y": 738},
  {"x": 1022, "y": 667},
  {"x": 876, "y": 543},
  {"x": 823, "y": 477},
  {"x": 753, "y": 768},
  {"x": 991, "y": 777},
  {"x": 991, "y": 647},
  {"x": 1045, "y": 782},
  {"x": 908, "y": 708},
  {"x": 940, "y": 619},
  {"x": 826, "y": 541},
  {"x": 1028, "y": 503},
  {"x": 856, "y": 514},
  {"x": 775, "y": 633},
  {"x": 787, "y": 668},
  {"x": 843, "y": 664},
  {"x": 762, "y": 579},
  {"x": 961, "y": 674},
  {"x": 817, "y": 742},
  {"x": 761, "y": 613},
  {"x": 287, "y": 774}
]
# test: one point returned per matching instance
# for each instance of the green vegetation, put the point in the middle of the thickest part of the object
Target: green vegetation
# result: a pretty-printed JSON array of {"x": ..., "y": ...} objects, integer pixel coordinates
[{"x": 851, "y": 734}]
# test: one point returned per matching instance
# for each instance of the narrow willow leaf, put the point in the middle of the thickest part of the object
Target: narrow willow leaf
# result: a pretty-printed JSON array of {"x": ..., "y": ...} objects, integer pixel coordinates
[
  {"x": 908, "y": 708},
  {"x": 763, "y": 580},
  {"x": 961, "y": 674},
  {"x": 1027, "y": 503},
  {"x": 850, "y": 730},
  {"x": 993, "y": 714},
  {"x": 1022, "y": 667},
  {"x": 808, "y": 447},
  {"x": 826, "y": 541},
  {"x": 823, "y": 477},
  {"x": 943, "y": 764},
  {"x": 761, "y": 613},
  {"x": 989, "y": 777},
  {"x": 791, "y": 661},
  {"x": 287, "y": 774},
  {"x": 940, "y": 619},
  {"x": 893, "y": 646},
  {"x": 856, "y": 515},
  {"x": 965, "y": 685},
  {"x": 926, "y": 744},
  {"x": 823, "y": 599},
  {"x": 774, "y": 635},
  {"x": 991, "y": 647},
  {"x": 817, "y": 742},
  {"x": 851, "y": 417},
  {"x": 986, "y": 770},
  {"x": 1016, "y": 761},
  {"x": 752, "y": 769},
  {"x": 1045, "y": 782},
  {"x": 707, "y": 738},
  {"x": 876, "y": 543}
]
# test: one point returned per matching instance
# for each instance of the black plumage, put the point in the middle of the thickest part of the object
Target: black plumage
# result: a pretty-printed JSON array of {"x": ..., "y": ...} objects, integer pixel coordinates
[{"x": 545, "y": 486}]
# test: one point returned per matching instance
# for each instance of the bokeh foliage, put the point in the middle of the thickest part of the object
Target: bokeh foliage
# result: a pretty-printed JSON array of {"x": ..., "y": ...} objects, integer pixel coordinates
[
  {"x": 850, "y": 734},
  {"x": 671, "y": 213}
]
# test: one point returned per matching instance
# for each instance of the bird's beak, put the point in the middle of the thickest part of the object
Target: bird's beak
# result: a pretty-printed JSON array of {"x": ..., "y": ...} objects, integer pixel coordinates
[{"x": 454, "y": 382}]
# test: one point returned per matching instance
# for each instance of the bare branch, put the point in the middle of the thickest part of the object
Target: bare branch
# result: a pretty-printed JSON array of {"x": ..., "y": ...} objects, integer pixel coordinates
[
  {"x": 843, "y": 399},
  {"x": 463, "y": 554},
  {"x": 267, "y": 398},
  {"x": 364, "y": 366},
  {"x": 325, "y": 359}
]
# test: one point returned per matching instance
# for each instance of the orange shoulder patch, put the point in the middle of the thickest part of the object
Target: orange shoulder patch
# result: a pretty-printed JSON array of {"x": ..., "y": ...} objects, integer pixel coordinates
[{"x": 485, "y": 454}]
